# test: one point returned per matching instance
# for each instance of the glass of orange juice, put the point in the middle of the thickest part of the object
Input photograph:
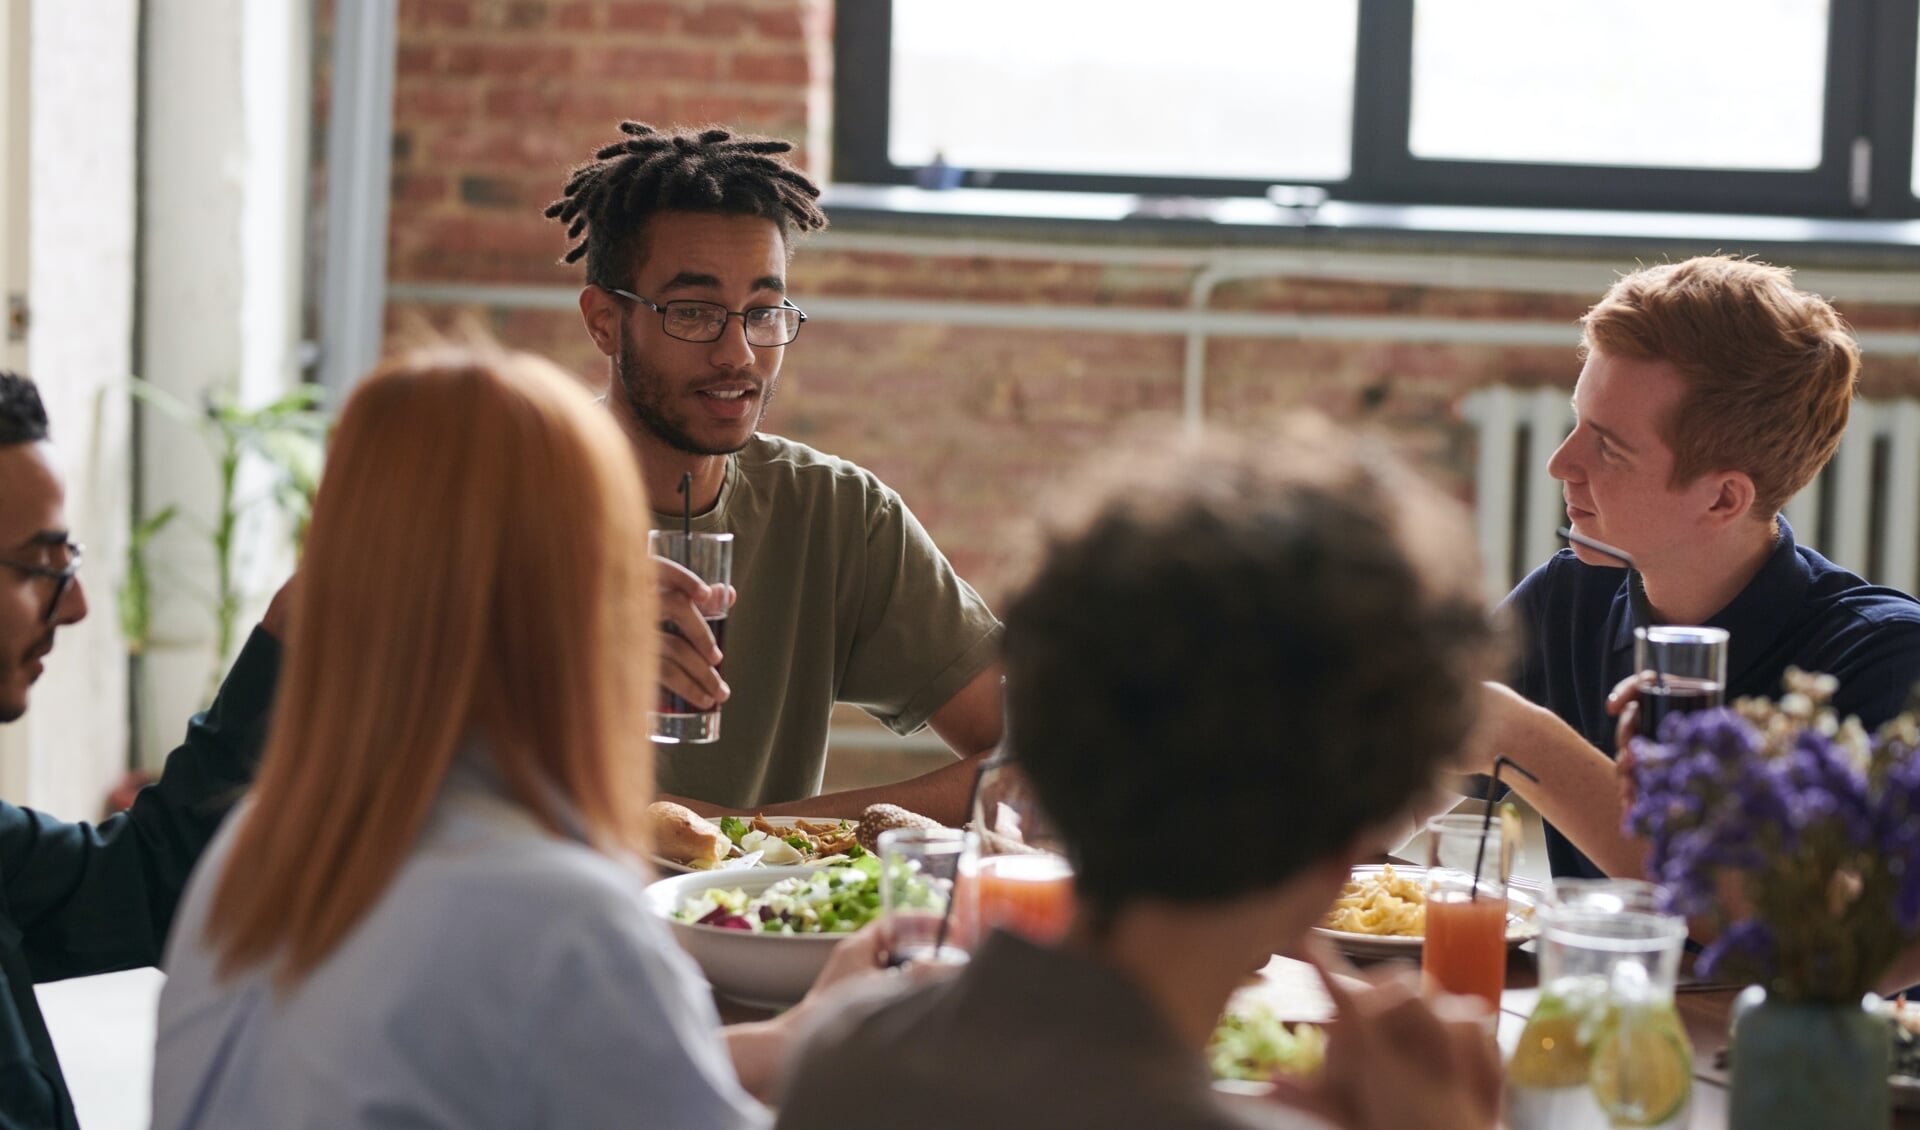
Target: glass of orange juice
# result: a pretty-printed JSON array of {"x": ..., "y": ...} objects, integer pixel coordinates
[
  {"x": 1465, "y": 950},
  {"x": 1017, "y": 878}
]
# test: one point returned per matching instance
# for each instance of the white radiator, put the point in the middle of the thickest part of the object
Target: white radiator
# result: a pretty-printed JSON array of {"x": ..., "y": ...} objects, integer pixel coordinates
[{"x": 1863, "y": 511}]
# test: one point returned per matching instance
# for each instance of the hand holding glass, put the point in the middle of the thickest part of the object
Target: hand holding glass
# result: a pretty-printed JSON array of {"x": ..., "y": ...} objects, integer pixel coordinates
[{"x": 709, "y": 557}]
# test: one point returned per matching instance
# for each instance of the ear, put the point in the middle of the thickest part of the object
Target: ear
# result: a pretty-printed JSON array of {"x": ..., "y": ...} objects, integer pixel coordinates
[
  {"x": 1733, "y": 496},
  {"x": 600, "y": 312}
]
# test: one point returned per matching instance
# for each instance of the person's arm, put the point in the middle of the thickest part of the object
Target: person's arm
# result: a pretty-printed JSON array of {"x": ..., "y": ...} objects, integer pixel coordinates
[
  {"x": 969, "y": 723},
  {"x": 941, "y": 795},
  {"x": 96, "y": 898},
  {"x": 762, "y": 1050},
  {"x": 1578, "y": 790}
]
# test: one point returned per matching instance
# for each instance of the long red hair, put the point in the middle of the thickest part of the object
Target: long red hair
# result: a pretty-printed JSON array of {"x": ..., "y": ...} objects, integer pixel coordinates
[{"x": 477, "y": 566}]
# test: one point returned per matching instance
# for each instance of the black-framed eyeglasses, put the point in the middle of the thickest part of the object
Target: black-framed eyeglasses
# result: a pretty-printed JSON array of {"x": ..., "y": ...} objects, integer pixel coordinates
[
  {"x": 61, "y": 575},
  {"x": 691, "y": 320}
]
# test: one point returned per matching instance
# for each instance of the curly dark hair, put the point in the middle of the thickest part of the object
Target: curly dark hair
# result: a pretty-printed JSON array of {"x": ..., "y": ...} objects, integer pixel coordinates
[
  {"x": 609, "y": 199},
  {"x": 23, "y": 418},
  {"x": 1238, "y": 656}
]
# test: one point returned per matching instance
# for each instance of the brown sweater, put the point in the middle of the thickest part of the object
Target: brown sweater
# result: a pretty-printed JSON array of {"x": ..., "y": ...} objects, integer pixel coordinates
[{"x": 1025, "y": 1037}]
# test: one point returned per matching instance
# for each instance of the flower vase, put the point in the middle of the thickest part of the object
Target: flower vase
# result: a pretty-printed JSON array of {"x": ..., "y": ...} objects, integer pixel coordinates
[{"x": 1808, "y": 1066}]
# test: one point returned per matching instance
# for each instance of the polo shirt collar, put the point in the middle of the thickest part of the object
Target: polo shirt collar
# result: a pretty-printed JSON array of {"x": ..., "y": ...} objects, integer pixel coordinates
[{"x": 1754, "y": 619}]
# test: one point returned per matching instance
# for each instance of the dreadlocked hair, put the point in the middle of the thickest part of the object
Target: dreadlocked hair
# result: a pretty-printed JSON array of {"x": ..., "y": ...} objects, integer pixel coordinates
[{"x": 609, "y": 199}]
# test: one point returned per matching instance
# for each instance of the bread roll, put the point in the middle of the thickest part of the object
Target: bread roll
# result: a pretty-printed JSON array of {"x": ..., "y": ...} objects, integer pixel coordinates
[
  {"x": 879, "y": 818},
  {"x": 684, "y": 836}
]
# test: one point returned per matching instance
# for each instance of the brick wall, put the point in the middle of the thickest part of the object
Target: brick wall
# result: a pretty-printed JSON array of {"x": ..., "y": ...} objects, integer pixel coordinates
[{"x": 496, "y": 98}]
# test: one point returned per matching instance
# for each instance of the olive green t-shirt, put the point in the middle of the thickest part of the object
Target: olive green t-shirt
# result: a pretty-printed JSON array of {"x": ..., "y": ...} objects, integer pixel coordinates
[{"x": 840, "y": 597}]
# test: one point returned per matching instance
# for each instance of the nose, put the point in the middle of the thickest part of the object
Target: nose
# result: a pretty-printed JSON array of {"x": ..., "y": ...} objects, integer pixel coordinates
[
  {"x": 71, "y": 608},
  {"x": 1561, "y": 464},
  {"x": 732, "y": 350}
]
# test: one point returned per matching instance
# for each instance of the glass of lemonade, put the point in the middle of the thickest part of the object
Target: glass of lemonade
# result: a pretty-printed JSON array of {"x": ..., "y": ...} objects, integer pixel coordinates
[{"x": 1604, "y": 1046}]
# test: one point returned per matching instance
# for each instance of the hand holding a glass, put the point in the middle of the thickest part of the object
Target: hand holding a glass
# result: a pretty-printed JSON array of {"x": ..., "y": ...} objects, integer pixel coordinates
[{"x": 694, "y": 571}]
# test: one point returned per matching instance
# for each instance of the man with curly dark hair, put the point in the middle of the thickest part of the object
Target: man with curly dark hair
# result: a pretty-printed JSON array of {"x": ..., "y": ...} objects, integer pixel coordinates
[
  {"x": 842, "y": 596},
  {"x": 1235, "y": 666}
]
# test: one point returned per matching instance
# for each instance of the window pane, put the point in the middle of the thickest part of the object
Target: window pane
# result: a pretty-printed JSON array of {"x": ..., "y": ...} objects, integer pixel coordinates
[
  {"x": 1916, "y": 132},
  {"x": 1707, "y": 84},
  {"x": 1217, "y": 88}
]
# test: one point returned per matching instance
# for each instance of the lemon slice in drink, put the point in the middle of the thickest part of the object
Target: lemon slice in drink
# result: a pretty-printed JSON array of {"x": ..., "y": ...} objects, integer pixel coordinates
[
  {"x": 1642, "y": 1068},
  {"x": 1549, "y": 1055}
]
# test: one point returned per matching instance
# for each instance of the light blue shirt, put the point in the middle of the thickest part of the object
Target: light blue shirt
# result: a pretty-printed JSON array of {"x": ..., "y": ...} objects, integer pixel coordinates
[{"x": 507, "y": 978}]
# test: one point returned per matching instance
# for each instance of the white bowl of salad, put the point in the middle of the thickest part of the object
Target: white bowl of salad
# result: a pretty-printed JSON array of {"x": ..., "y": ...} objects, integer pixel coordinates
[{"x": 762, "y": 935}]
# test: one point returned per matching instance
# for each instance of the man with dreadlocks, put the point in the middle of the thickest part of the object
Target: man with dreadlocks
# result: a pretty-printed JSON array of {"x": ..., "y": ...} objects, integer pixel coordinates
[{"x": 842, "y": 595}]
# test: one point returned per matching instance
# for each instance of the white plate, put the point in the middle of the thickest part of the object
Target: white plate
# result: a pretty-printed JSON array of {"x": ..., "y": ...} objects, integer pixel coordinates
[
  {"x": 670, "y": 867},
  {"x": 1523, "y": 896},
  {"x": 763, "y": 970}
]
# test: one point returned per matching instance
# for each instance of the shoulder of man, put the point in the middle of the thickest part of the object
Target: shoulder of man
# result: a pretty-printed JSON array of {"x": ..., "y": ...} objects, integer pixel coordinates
[
  {"x": 1560, "y": 580},
  {"x": 773, "y": 456},
  {"x": 787, "y": 474},
  {"x": 1842, "y": 589}
]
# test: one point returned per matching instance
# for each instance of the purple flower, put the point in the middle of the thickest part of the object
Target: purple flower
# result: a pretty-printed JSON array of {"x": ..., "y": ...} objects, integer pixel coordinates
[
  {"x": 1786, "y": 811},
  {"x": 1750, "y": 942},
  {"x": 1898, "y": 836}
]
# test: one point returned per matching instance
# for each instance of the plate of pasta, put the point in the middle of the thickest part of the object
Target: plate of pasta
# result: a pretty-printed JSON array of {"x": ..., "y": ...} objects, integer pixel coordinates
[{"x": 1381, "y": 912}]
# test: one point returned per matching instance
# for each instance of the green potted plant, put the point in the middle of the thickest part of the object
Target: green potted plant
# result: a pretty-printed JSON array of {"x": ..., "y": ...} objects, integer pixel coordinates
[{"x": 287, "y": 436}]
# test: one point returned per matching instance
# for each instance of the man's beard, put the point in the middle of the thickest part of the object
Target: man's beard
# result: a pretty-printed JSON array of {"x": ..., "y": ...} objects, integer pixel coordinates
[{"x": 646, "y": 393}]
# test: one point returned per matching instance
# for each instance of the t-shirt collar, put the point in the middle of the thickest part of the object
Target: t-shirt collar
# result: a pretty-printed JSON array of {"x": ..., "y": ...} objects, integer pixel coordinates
[
  {"x": 1754, "y": 618},
  {"x": 715, "y": 518}
]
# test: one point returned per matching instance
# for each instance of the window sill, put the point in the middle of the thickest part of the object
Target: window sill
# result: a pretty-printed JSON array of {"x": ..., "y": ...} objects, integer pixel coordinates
[{"x": 1242, "y": 221}]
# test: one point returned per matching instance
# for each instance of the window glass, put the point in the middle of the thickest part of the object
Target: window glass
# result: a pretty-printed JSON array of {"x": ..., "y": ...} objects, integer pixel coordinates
[
  {"x": 1237, "y": 89},
  {"x": 1705, "y": 84}
]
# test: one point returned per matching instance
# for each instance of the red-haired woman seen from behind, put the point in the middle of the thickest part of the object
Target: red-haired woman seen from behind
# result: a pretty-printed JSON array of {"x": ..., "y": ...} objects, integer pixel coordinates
[{"x": 429, "y": 913}]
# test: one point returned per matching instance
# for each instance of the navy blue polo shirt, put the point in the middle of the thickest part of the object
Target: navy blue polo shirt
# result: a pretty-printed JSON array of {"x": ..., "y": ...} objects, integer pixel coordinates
[{"x": 1800, "y": 610}]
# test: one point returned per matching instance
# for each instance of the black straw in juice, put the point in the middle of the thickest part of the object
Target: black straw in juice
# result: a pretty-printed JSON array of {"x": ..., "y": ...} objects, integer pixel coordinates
[{"x": 1486, "y": 818}]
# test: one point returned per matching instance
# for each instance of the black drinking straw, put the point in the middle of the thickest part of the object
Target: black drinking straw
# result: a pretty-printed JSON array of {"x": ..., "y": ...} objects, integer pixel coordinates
[
  {"x": 686, "y": 519},
  {"x": 1636, "y": 588},
  {"x": 973, "y": 799},
  {"x": 1486, "y": 818}
]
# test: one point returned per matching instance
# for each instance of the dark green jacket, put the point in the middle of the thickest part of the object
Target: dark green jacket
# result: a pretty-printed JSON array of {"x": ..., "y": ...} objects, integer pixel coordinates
[{"x": 77, "y": 899}]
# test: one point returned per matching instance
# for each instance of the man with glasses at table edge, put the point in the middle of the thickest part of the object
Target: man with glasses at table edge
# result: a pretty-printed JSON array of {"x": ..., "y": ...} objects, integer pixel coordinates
[
  {"x": 842, "y": 595},
  {"x": 77, "y": 899},
  {"x": 1713, "y": 390}
]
